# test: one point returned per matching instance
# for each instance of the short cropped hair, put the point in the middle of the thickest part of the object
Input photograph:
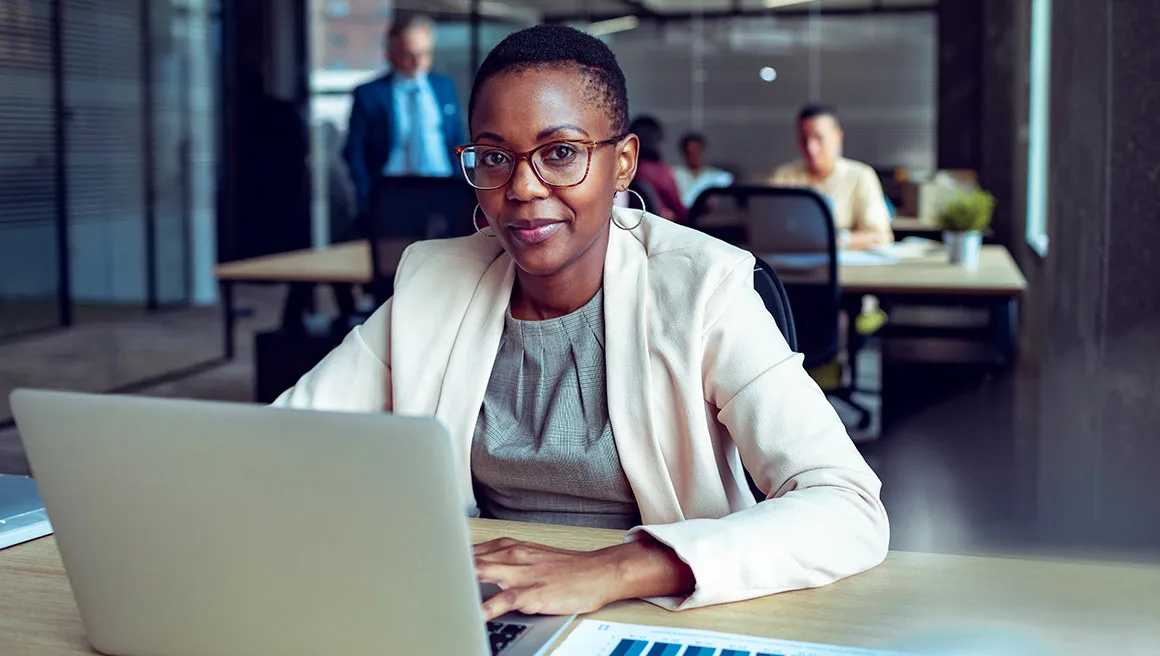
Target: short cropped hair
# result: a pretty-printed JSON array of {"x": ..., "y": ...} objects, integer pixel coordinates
[
  {"x": 560, "y": 46},
  {"x": 404, "y": 21},
  {"x": 814, "y": 110}
]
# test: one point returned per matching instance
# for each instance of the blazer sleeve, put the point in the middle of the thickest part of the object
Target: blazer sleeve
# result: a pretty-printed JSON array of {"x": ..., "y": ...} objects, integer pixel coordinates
[
  {"x": 354, "y": 377},
  {"x": 354, "y": 152},
  {"x": 822, "y": 519}
]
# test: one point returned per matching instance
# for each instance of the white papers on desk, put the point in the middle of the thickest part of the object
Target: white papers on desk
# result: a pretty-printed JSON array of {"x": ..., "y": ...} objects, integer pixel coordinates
[
  {"x": 909, "y": 249},
  {"x": 866, "y": 258},
  {"x": 596, "y": 638}
]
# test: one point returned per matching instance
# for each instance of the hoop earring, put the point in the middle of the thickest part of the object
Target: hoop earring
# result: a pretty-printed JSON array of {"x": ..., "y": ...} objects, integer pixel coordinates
[
  {"x": 475, "y": 222},
  {"x": 643, "y": 211}
]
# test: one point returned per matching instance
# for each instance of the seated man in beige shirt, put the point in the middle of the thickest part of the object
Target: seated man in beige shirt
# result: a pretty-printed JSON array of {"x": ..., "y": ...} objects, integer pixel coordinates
[{"x": 859, "y": 208}]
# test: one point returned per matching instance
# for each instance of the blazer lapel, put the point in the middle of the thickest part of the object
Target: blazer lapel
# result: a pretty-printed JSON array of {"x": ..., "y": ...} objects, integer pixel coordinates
[
  {"x": 470, "y": 362},
  {"x": 627, "y": 362},
  {"x": 431, "y": 313}
]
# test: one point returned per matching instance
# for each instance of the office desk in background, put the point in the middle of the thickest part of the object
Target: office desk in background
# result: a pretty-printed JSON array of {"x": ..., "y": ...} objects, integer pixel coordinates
[
  {"x": 1075, "y": 607},
  {"x": 996, "y": 281},
  {"x": 349, "y": 262},
  {"x": 997, "y": 275}
]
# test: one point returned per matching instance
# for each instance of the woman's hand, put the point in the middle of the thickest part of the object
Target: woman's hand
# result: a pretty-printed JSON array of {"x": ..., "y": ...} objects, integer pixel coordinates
[{"x": 536, "y": 579}]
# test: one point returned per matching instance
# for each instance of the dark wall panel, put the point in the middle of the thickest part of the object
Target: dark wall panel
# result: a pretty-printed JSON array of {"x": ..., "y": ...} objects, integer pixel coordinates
[
  {"x": 1131, "y": 349},
  {"x": 1098, "y": 438},
  {"x": 960, "y": 87}
]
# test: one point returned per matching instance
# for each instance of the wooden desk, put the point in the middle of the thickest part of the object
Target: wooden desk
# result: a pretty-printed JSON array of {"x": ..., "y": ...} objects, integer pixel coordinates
[
  {"x": 1072, "y": 606},
  {"x": 996, "y": 278},
  {"x": 349, "y": 262},
  {"x": 342, "y": 263},
  {"x": 997, "y": 275},
  {"x": 996, "y": 287}
]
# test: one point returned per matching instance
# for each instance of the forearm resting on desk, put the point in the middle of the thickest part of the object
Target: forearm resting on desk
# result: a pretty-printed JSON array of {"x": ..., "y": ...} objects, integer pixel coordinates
[
  {"x": 648, "y": 568},
  {"x": 544, "y": 580},
  {"x": 866, "y": 238}
]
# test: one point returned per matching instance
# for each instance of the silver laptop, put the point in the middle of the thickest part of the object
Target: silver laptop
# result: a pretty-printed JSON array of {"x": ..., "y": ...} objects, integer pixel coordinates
[{"x": 210, "y": 528}]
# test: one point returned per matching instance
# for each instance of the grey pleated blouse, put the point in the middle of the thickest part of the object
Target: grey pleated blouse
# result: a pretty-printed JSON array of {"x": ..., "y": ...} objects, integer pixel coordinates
[{"x": 543, "y": 449}]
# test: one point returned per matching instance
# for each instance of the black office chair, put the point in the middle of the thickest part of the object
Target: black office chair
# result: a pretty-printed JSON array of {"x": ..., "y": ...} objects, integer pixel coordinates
[
  {"x": 416, "y": 208},
  {"x": 651, "y": 200},
  {"x": 720, "y": 215},
  {"x": 792, "y": 230},
  {"x": 773, "y": 294},
  {"x": 776, "y": 300}
]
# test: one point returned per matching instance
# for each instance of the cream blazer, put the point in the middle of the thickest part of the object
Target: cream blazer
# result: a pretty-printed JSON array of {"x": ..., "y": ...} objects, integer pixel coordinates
[{"x": 700, "y": 381}]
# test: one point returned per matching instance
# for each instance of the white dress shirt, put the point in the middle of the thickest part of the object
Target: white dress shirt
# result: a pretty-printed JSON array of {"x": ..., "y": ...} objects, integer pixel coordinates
[{"x": 418, "y": 146}]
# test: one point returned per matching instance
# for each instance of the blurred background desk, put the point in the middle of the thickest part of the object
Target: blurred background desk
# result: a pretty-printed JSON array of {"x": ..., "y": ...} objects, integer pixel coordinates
[
  {"x": 283, "y": 354},
  {"x": 926, "y": 299},
  {"x": 341, "y": 263},
  {"x": 997, "y": 275}
]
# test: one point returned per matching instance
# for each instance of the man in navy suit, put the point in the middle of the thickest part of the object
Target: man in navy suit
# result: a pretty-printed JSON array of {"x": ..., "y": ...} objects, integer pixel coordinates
[{"x": 408, "y": 121}]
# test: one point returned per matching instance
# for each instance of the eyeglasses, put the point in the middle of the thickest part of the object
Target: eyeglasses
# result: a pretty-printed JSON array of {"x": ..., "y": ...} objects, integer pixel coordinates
[{"x": 556, "y": 164}]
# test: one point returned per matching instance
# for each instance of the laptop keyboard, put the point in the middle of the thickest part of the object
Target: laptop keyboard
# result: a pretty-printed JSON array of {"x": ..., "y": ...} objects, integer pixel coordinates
[{"x": 502, "y": 634}]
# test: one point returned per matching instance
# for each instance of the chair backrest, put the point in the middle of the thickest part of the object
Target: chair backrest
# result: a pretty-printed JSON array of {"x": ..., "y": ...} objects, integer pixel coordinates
[
  {"x": 773, "y": 294},
  {"x": 646, "y": 191},
  {"x": 414, "y": 207},
  {"x": 792, "y": 230}
]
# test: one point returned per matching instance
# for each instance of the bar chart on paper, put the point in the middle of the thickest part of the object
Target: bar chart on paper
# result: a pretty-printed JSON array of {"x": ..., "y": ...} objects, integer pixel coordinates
[{"x": 596, "y": 638}]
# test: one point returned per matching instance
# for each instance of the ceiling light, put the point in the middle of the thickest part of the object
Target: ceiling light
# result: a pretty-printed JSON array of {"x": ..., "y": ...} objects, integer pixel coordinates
[
  {"x": 613, "y": 25},
  {"x": 768, "y": 74},
  {"x": 774, "y": 4}
]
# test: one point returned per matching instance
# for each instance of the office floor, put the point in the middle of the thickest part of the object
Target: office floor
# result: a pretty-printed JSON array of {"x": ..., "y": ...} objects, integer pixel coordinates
[
  {"x": 947, "y": 467},
  {"x": 24, "y": 317},
  {"x": 111, "y": 354}
]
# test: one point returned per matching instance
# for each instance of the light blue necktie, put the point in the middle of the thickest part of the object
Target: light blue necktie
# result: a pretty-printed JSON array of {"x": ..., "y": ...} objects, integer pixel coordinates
[{"x": 416, "y": 153}]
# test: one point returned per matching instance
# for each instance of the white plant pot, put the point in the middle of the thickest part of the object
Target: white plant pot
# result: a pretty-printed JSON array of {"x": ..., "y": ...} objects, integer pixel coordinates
[{"x": 963, "y": 248}]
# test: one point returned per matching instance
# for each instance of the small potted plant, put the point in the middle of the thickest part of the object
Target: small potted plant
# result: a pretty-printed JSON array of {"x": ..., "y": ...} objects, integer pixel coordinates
[{"x": 963, "y": 220}]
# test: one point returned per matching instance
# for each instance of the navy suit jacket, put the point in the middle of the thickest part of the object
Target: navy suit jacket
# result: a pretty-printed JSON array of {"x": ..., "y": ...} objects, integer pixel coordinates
[{"x": 368, "y": 141}]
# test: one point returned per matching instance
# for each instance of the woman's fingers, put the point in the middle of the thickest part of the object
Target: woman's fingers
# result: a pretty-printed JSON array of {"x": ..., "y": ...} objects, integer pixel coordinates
[
  {"x": 528, "y": 600},
  {"x": 493, "y": 545},
  {"x": 504, "y": 575},
  {"x": 515, "y": 551},
  {"x": 501, "y": 603}
]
